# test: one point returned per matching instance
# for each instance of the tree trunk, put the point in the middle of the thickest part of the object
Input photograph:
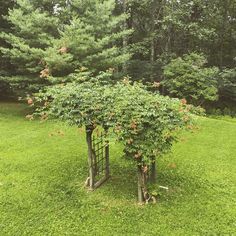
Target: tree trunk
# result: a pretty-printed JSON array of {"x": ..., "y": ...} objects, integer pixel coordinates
[
  {"x": 89, "y": 132},
  {"x": 140, "y": 185},
  {"x": 152, "y": 49},
  {"x": 153, "y": 172},
  {"x": 125, "y": 38}
]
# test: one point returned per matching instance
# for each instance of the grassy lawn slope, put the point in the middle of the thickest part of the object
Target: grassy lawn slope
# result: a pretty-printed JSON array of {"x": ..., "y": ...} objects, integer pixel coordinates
[{"x": 43, "y": 167}]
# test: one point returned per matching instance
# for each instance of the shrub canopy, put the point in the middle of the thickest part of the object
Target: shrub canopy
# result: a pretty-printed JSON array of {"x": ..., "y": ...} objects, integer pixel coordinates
[{"x": 144, "y": 122}]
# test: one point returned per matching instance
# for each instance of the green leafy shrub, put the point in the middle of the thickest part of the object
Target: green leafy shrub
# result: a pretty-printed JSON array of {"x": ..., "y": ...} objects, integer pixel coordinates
[
  {"x": 144, "y": 122},
  {"x": 188, "y": 78}
]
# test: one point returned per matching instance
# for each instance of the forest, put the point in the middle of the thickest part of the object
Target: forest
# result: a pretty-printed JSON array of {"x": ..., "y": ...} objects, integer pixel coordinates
[{"x": 186, "y": 47}]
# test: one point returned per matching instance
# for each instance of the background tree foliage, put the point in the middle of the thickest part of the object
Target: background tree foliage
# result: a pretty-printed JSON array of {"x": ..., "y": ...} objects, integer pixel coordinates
[
  {"x": 186, "y": 77},
  {"x": 62, "y": 38},
  {"x": 227, "y": 84},
  {"x": 136, "y": 38},
  {"x": 4, "y": 27}
]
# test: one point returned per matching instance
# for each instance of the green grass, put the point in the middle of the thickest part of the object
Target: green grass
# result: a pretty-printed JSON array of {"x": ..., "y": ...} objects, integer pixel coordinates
[{"x": 42, "y": 174}]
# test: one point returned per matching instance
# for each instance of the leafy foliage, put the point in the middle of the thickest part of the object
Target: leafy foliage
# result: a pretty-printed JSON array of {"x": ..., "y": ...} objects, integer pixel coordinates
[
  {"x": 227, "y": 84},
  {"x": 144, "y": 122},
  {"x": 187, "y": 78}
]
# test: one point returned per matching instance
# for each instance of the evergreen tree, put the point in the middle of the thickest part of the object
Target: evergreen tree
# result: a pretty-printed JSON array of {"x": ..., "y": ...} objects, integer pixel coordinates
[
  {"x": 31, "y": 33},
  {"x": 92, "y": 39},
  {"x": 5, "y": 66},
  {"x": 59, "y": 37}
]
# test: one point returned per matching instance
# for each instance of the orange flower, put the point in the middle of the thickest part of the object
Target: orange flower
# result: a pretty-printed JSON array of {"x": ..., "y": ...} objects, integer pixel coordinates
[
  {"x": 111, "y": 70},
  {"x": 44, "y": 117},
  {"x": 130, "y": 141},
  {"x": 29, "y": 117},
  {"x": 145, "y": 169},
  {"x": 156, "y": 84},
  {"x": 183, "y": 101},
  {"x": 138, "y": 155},
  {"x": 133, "y": 125},
  {"x": 126, "y": 80},
  {"x": 63, "y": 50},
  {"x": 118, "y": 128},
  {"x": 44, "y": 73},
  {"x": 30, "y": 101}
]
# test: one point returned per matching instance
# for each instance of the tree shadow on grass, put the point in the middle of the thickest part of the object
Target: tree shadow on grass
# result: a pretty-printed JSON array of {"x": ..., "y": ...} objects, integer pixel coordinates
[
  {"x": 70, "y": 176},
  {"x": 69, "y": 181},
  {"x": 123, "y": 183}
]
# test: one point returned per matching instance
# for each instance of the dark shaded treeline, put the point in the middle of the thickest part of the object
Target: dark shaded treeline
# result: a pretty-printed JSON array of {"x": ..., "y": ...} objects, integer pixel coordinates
[{"x": 41, "y": 36}]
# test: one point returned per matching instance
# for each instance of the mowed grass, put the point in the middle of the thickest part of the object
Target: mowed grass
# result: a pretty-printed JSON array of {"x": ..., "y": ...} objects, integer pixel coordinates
[{"x": 43, "y": 167}]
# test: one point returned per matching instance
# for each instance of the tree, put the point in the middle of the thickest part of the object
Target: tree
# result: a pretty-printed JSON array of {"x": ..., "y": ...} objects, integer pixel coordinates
[
  {"x": 222, "y": 18},
  {"x": 145, "y": 123},
  {"x": 31, "y": 33},
  {"x": 5, "y": 26},
  {"x": 187, "y": 78},
  {"x": 57, "y": 38},
  {"x": 227, "y": 85},
  {"x": 164, "y": 30}
]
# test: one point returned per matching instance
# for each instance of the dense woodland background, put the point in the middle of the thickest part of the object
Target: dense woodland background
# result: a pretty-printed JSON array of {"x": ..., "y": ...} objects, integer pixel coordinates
[{"x": 186, "y": 48}]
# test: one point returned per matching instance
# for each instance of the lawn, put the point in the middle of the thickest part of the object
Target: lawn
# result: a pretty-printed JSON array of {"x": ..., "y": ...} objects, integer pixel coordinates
[{"x": 43, "y": 167}]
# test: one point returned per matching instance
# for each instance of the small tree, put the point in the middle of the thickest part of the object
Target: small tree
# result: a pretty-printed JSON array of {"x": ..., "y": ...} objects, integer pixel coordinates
[
  {"x": 188, "y": 78},
  {"x": 144, "y": 122}
]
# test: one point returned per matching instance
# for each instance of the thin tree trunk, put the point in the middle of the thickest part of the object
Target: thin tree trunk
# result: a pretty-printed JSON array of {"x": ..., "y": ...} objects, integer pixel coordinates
[
  {"x": 125, "y": 38},
  {"x": 140, "y": 184},
  {"x": 223, "y": 31},
  {"x": 152, "y": 49},
  {"x": 153, "y": 173},
  {"x": 152, "y": 42},
  {"x": 89, "y": 132}
]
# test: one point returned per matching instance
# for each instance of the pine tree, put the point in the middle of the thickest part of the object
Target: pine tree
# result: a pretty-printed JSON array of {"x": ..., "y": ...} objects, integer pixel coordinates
[
  {"x": 31, "y": 33},
  {"x": 58, "y": 37},
  {"x": 92, "y": 39},
  {"x": 5, "y": 66}
]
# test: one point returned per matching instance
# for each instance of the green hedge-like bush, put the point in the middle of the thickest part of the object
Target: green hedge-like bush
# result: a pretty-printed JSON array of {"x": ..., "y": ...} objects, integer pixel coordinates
[
  {"x": 146, "y": 123},
  {"x": 188, "y": 78}
]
